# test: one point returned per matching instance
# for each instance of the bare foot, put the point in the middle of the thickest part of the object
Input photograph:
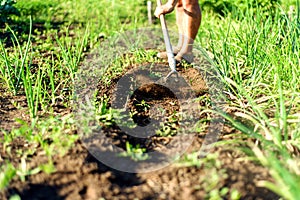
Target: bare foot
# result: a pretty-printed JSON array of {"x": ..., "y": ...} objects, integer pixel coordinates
[
  {"x": 188, "y": 57},
  {"x": 164, "y": 55}
]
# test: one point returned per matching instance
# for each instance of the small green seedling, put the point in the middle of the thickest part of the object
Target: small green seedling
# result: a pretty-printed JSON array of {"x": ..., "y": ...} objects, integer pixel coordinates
[{"x": 135, "y": 153}]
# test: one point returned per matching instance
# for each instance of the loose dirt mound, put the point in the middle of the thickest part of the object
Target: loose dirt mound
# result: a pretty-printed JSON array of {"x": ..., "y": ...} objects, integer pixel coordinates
[{"x": 80, "y": 176}]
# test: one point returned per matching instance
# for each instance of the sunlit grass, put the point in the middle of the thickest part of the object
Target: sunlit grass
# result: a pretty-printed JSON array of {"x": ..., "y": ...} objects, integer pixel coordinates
[{"x": 257, "y": 58}]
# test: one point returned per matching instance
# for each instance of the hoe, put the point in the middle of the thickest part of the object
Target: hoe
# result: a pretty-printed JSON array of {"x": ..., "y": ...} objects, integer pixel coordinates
[{"x": 169, "y": 50}]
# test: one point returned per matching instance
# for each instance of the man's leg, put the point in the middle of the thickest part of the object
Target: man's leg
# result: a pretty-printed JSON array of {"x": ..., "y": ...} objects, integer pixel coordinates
[
  {"x": 188, "y": 17},
  {"x": 179, "y": 21}
]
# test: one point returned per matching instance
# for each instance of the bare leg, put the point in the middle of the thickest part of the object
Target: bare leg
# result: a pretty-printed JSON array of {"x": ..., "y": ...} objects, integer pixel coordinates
[
  {"x": 188, "y": 19},
  {"x": 180, "y": 25}
]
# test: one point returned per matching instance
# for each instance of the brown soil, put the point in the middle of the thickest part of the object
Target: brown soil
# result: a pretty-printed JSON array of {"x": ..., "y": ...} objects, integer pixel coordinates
[
  {"x": 9, "y": 111},
  {"x": 80, "y": 176}
]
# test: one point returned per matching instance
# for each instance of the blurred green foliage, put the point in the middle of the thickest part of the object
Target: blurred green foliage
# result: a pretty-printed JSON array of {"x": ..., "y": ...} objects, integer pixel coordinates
[
  {"x": 7, "y": 9},
  {"x": 223, "y": 7},
  {"x": 37, "y": 8}
]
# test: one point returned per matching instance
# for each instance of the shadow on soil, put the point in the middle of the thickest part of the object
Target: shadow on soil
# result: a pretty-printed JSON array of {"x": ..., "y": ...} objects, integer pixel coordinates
[
  {"x": 80, "y": 177},
  {"x": 38, "y": 191}
]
